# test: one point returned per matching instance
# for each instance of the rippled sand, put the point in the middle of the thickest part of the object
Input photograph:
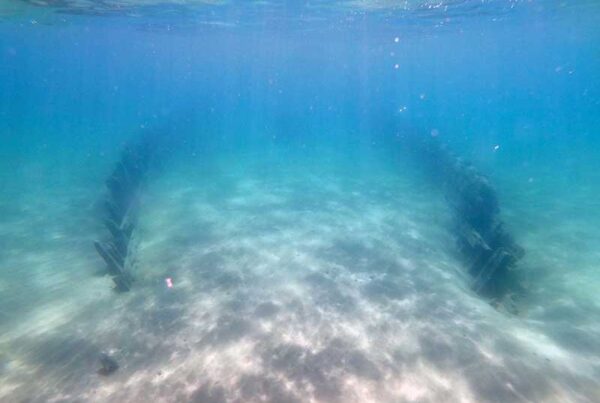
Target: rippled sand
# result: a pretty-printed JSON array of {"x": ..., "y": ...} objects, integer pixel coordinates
[{"x": 295, "y": 278}]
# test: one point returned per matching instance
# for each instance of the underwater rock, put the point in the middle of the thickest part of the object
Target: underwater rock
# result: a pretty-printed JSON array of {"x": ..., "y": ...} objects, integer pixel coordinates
[{"x": 108, "y": 365}]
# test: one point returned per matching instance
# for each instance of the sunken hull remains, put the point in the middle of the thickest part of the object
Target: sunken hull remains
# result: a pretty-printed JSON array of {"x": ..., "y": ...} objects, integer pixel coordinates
[
  {"x": 488, "y": 249},
  {"x": 121, "y": 207}
]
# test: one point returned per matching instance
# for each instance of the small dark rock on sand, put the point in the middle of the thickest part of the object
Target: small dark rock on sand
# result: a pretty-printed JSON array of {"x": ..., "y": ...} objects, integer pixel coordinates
[{"x": 108, "y": 365}]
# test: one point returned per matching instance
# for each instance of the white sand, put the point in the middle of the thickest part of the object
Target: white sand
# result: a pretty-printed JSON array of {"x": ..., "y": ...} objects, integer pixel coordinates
[{"x": 294, "y": 279}]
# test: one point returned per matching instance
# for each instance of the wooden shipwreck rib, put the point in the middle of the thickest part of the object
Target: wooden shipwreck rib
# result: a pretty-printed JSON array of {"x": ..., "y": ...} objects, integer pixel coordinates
[
  {"x": 488, "y": 249},
  {"x": 121, "y": 207}
]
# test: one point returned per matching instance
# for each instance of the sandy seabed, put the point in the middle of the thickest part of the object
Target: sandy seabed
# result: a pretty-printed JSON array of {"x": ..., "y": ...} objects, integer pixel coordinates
[{"x": 293, "y": 281}]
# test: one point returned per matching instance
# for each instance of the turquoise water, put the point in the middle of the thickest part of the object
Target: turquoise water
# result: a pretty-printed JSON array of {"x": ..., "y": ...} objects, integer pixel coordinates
[{"x": 291, "y": 240}]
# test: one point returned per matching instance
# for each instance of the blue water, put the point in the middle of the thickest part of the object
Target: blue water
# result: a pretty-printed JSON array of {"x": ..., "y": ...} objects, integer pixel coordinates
[{"x": 289, "y": 245}]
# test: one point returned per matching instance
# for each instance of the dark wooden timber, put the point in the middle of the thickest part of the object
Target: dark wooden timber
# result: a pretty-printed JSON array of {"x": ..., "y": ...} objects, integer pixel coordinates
[
  {"x": 121, "y": 206},
  {"x": 488, "y": 249}
]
